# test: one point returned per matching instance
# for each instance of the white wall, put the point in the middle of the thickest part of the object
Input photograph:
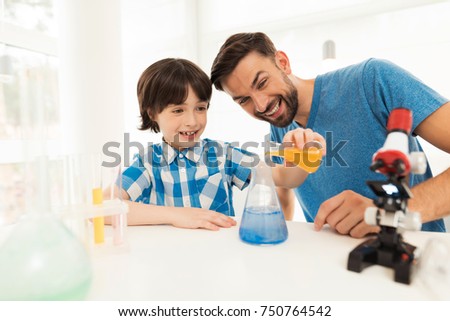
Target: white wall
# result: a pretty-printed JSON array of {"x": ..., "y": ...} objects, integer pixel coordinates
[{"x": 414, "y": 34}]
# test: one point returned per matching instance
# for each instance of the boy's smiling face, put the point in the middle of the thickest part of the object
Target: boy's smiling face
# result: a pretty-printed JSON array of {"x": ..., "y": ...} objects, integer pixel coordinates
[{"x": 182, "y": 125}]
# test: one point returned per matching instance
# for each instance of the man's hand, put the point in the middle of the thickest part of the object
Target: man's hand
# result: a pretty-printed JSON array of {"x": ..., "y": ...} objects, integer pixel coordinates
[
  {"x": 300, "y": 137},
  {"x": 345, "y": 214}
]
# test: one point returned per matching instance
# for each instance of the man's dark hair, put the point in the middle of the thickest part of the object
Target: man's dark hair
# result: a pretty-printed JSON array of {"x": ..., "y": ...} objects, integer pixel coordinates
[
  {"x": 167, "y": 82},
  {"x": 234, "y": 49}
]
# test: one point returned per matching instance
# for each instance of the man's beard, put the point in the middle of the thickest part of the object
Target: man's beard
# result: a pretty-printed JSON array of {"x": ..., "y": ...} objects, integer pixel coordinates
[{"x": 291, "y": 103}]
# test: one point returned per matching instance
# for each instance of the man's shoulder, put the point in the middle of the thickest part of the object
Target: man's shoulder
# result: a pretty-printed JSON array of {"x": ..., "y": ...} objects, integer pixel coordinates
[
  {"x": 364, "y": 72},
  {"x": 380, "y": 66},
  {"x": 371, "y": 64}
]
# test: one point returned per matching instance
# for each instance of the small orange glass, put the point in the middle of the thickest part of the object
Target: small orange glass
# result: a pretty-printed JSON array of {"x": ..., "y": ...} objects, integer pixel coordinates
[{"x": 309, "y": 158}]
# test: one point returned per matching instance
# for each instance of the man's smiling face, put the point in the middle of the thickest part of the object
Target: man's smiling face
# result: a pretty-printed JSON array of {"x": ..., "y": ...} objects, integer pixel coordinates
[{"x": 263, "y": 89}]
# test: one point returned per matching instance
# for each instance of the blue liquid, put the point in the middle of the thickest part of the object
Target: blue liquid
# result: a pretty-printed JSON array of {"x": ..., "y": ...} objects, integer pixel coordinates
[{"x": 263, "y": 226}]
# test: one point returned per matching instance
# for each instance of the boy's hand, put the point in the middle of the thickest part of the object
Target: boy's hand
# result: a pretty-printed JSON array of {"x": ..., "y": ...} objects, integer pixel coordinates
[
  {"x": 300, "y": 137},
  {"x": 190, "y": 217}
]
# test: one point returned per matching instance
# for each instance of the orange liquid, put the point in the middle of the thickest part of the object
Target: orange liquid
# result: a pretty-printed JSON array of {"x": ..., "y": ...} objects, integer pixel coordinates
[{"x": 307, "y": 159}]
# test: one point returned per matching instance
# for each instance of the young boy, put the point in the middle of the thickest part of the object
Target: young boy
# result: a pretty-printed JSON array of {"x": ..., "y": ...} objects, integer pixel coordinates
[{"x": 184, "y": 181}]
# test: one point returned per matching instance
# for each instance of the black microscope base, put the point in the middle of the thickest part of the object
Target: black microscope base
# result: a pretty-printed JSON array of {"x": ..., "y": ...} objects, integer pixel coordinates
[{"x": 372, "y": 251}]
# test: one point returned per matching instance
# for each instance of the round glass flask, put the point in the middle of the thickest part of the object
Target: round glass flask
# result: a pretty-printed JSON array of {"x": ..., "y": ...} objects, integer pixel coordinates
[{"x": 42, "y": 260}]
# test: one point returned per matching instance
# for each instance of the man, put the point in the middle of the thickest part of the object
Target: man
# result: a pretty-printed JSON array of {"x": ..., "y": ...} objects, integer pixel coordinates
[{"x": 349, "y": 107}]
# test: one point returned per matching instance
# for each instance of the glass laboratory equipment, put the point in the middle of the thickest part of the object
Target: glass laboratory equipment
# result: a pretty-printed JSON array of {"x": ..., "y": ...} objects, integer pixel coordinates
[
  {"x": 41, "y": 259},
  {"x": 91, "y": 205},
  {"x": 108, "y": 195},
  {"x": 308, "y": 158},
  {"x": 433, "y": 268},
  {"x": 263, "y": 221}
]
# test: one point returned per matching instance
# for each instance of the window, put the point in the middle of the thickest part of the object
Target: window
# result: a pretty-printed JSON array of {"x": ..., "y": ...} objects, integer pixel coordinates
[
  {"x": 28, "y": 94},
  {"x": 30, "y": 14}
]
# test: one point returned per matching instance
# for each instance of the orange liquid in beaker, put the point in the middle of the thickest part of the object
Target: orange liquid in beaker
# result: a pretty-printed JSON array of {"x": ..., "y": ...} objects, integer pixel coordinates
[{"x": 308, "y": 159}]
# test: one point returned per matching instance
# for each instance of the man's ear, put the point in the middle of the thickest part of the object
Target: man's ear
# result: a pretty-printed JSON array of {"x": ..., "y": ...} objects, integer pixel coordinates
[{"x": 282, "y": 62}]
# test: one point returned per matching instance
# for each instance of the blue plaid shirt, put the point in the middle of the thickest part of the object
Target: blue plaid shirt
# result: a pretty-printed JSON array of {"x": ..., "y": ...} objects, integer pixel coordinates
[{"x": 201, "y": 176}]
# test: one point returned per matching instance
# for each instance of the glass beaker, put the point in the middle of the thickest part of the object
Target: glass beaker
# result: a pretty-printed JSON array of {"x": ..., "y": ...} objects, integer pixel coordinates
[
  {"x": 263, "y": 221},
  {"x": 433, "y": 269},
  {"x": 309, "y": 158}
]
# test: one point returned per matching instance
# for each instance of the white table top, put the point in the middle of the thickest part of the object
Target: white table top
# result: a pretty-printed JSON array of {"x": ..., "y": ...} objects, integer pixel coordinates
[{"x": 170, "y": 264}]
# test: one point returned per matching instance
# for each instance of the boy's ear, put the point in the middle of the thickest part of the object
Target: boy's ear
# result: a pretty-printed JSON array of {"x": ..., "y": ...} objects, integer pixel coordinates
[
  {"x": 150, "y": 115},
  {"x": 282, "y": 62}
]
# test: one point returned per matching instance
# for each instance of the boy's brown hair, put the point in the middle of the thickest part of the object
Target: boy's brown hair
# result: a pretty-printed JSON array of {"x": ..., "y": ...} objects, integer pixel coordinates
[{"x": 167, "y": 82}]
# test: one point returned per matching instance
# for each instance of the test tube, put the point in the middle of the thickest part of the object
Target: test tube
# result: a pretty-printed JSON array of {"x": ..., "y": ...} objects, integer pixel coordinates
[
  {"x": 112, "y": 182},
  {"x": 98, "y": 221}
]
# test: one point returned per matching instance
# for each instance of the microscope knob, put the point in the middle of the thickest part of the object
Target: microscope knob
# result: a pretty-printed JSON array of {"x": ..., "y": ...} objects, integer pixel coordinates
[
  {"x": 418, "y": 162},
  {"x": 371, "y": 216},
  {"x": 412, "y": 221}
]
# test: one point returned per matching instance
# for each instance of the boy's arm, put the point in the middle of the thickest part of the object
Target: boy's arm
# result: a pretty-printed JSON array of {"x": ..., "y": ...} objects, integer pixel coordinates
[{"x": 189, "y": 217}]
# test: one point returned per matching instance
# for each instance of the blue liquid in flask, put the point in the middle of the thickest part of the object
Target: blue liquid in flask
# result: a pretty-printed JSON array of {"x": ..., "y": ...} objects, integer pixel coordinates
[{"x": 263, "y": 226}]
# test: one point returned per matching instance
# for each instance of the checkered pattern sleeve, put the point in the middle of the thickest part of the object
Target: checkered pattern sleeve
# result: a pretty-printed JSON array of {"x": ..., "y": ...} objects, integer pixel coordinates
[
  {"x": 238, "y": 166},
  {"x": 136, "y": 181}
]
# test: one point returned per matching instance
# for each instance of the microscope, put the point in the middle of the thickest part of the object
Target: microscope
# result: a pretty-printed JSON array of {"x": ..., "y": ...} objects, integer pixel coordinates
[{"x": 391, "y": 214}]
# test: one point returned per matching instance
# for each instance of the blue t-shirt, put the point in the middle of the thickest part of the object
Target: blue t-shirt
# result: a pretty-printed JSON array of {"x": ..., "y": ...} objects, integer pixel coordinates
[
  {"x": 201, "y": 176},
  {"x": 350, "y": 108}
]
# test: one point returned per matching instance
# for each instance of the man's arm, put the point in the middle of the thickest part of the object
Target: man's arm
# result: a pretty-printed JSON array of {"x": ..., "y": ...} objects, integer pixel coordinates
[
  {"x": 288, "y": 176},
  {"x": 431, "y": 198},
  {"x": 345, "y": 211},
  {"x": 287, "y": 199}
]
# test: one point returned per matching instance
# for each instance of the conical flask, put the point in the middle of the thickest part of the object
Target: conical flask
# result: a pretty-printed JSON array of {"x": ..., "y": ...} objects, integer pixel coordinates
[{"x": 263, "y": 221}]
